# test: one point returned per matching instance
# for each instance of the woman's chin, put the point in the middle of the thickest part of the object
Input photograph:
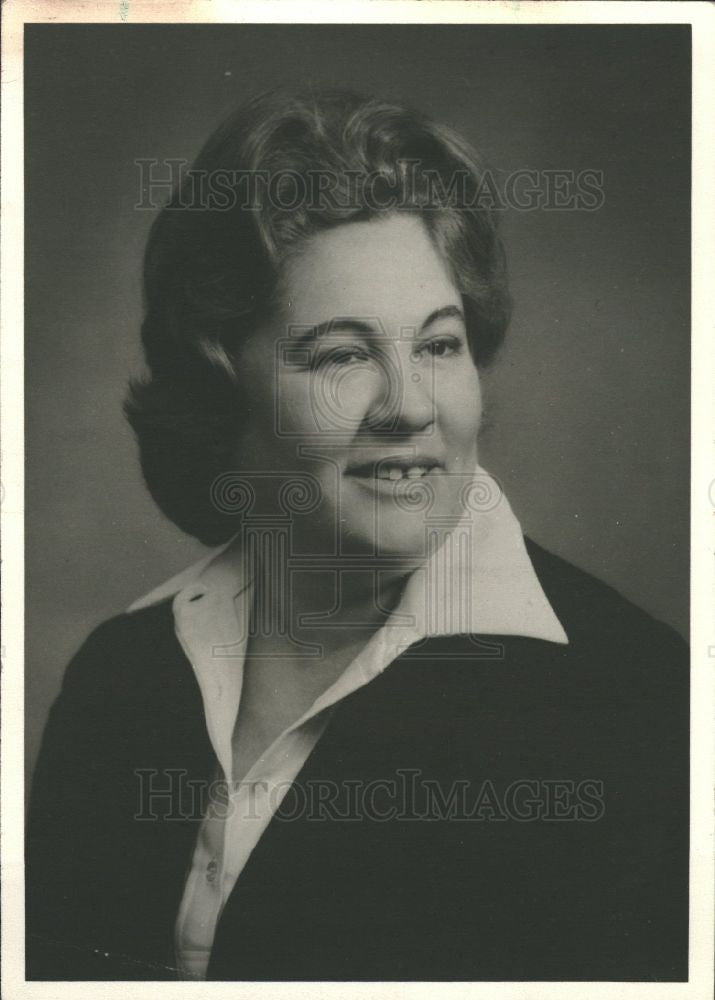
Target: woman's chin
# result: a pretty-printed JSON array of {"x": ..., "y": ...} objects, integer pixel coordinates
[{"x": 393, "y": 538}]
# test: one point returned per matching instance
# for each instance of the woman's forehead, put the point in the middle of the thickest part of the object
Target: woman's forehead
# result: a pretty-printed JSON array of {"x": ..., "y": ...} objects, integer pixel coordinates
[{"x": 386, "y": 269}]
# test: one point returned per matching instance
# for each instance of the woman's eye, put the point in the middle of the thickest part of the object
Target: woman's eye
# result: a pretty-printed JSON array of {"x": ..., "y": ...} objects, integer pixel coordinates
[
  {"x": 342, "y": 357},
  {"x": 442, "y": 347}
]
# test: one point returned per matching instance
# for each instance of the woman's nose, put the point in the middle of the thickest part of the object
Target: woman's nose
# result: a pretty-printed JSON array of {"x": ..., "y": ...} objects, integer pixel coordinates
[{"x": 407, "y": 405}]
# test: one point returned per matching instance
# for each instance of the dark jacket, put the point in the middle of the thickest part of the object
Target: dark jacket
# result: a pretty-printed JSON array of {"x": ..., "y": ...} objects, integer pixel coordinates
[{"x": 569, "y": 863}]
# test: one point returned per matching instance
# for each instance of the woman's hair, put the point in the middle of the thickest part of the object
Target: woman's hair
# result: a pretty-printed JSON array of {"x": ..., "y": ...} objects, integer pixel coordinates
[{"x": 281, "y": 169}]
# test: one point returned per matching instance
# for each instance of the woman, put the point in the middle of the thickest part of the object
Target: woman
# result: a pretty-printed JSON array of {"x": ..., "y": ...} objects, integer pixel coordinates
[{"x": 375, "y": 734}]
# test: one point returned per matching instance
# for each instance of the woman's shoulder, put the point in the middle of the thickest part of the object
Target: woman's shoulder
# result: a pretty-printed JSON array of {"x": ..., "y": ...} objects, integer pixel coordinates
[
  {"x": 141, "y": 640},
  {"x": 133, "y": 627},
  {"x": 125, "y": 653},
  {"x": 595, "y": 614}
]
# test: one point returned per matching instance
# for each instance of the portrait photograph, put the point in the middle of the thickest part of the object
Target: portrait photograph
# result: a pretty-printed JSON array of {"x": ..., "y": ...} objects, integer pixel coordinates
[{"x": 359, "y": 601}]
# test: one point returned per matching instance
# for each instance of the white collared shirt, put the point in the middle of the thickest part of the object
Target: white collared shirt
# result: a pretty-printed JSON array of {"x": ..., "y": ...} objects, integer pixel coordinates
[{"x": 477, "y": 580}]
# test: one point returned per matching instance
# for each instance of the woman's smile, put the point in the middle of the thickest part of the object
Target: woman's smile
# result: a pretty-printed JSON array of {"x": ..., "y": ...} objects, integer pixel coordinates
[{"x": 394, "y": 469}]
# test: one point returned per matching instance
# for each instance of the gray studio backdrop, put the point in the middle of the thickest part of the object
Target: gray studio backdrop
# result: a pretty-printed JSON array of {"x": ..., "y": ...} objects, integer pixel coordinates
[{"x": 588, "y": 406}]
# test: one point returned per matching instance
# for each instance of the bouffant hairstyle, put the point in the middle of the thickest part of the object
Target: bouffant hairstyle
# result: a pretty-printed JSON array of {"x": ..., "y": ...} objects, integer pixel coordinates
[{"x": 281, "y": 169}]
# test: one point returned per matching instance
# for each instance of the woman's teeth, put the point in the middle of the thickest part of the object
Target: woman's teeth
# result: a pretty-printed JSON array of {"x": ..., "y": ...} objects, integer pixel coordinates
[{"x": 395, "y": 472}]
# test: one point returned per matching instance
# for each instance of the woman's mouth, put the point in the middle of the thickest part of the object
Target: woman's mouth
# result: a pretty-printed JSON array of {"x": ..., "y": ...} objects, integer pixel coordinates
[{"x": 393, "y": 470}]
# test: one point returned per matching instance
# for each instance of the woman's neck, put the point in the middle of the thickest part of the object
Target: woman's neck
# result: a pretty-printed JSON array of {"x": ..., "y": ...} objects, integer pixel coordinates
[{"x": 332, "y": 608}]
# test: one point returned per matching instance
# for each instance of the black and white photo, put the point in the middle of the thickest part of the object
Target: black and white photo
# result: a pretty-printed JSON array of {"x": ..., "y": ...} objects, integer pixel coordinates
[{"x": 358, "y": 498}]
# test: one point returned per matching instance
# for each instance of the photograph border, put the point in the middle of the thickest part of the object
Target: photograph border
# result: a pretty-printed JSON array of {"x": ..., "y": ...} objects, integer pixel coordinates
[{"x": 702, "y": 867}]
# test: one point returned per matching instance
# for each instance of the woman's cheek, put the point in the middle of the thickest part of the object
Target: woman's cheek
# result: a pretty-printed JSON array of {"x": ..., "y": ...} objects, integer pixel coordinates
[
  {"x": 341, "y": 399},
  {"x": 460, "y": 401}
]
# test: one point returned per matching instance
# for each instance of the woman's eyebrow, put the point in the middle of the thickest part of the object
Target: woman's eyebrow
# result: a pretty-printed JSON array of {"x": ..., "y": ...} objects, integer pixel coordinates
[
  {"x": 340, "y": 324},
  {"x": 446, "y": 312}
]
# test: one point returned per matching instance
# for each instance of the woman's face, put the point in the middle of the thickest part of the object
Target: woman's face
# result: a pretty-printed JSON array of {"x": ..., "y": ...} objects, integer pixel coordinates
[{"x": 367, "y": 384}]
